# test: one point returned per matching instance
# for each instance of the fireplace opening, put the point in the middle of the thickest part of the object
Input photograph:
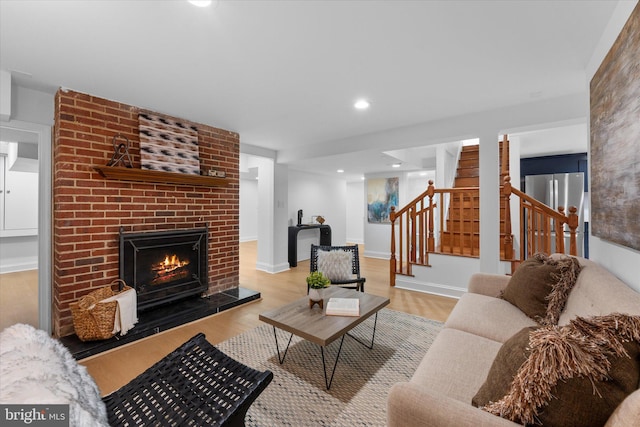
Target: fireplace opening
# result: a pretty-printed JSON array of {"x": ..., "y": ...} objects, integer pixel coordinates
[{"x": 164, "y": 266}]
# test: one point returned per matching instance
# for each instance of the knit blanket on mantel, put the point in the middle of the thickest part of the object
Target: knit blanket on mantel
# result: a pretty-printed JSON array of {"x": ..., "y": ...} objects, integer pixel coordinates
[{"x": 38, "y": 370}]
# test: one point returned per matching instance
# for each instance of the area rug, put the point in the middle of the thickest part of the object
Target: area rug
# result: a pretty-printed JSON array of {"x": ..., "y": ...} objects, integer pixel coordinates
[{"x": 297, "y": 396}]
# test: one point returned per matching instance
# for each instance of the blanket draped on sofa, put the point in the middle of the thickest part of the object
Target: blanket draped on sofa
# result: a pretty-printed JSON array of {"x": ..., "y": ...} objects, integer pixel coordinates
[{"x": 37, "y": 369}]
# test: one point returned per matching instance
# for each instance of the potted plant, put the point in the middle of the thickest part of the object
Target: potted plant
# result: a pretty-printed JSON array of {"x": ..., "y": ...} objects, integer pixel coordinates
[{"x": 317, "y": 281}]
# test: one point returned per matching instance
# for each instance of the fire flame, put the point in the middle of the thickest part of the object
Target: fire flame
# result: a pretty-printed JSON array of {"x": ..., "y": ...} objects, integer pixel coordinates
[
  {"x": 170, "y": 263},
  {"x": 169, "y": 269},
  {"x": 174, "y": 261}
]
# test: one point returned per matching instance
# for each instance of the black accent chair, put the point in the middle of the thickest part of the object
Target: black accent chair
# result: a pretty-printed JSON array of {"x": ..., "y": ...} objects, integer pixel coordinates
[
  {"x": 195, "y": 385},
  {"x": 356, "y": 282}
]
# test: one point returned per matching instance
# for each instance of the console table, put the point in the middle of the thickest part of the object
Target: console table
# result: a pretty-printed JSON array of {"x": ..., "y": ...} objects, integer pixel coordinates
[{"x": 325, "y": 239}]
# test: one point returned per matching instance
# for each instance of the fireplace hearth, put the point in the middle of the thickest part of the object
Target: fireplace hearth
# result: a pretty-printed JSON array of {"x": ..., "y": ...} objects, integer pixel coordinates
[
  {"x": 168, "y": 270},
  {"x": 162, "y": 318},
  {"x": 164, "y": 266}
]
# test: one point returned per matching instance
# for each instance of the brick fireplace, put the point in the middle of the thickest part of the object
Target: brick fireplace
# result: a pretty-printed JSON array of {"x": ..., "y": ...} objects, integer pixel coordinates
[{"x": 89, "y": 211}]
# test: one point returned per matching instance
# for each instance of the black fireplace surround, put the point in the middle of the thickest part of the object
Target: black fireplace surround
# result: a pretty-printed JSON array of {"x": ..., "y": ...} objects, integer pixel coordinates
[{"x": 164, "y": 266}]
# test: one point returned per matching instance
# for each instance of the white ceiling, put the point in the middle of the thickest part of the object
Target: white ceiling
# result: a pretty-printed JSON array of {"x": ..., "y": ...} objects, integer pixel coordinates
[{"x": 284, "y": 74}]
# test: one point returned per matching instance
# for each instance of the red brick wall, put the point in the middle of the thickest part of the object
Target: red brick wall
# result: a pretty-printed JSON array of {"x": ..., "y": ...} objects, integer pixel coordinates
[{"x": 88, "y": 210}]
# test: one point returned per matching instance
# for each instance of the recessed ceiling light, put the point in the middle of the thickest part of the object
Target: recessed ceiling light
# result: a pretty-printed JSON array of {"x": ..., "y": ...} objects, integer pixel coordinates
[
  {"x": 362, "y": 104},
  {"x": 200, "y": 3},
  {"x": 340, "y": 171},
  {"x": 396, "y": 165}
]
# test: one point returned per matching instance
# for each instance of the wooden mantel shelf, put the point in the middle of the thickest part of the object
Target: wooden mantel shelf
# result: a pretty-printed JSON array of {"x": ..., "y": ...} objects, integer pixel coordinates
[{"x": 142, "y": 175}]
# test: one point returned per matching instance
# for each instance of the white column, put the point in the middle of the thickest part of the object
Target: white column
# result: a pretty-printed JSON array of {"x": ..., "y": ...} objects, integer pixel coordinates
[
  {"x": 272, "y": 217},
  {"x": 264, "y": 259},
  {"x": 514, "y": 172},
  {"x": 489, "y": 202},
  {"x": 281, "y": 218}
]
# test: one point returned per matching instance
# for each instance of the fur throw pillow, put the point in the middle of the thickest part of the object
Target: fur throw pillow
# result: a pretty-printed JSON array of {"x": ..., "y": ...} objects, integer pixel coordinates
[
  {"x": 335, "y": 265},
  {"x": 541, "y": 285},
  {"x": 574, "y": 375}
]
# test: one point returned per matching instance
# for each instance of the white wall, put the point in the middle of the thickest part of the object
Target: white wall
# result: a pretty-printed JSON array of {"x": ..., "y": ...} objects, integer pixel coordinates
[
  {"x": 418, "y": 183},
  {"x": 356, "y": 212},
  {"x": 18, "y": 253},
  {"x": 248, "y": 210},
  {"x": 32, "y": 106},
  {"x": 621, "y": 261},
  {"x": 317, "y": 195},
  {"x": 377, "y": 236}
]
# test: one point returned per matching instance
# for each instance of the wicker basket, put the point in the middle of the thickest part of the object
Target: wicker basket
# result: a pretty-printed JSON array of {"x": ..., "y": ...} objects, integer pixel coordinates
[{"x": 93, "y": 319}]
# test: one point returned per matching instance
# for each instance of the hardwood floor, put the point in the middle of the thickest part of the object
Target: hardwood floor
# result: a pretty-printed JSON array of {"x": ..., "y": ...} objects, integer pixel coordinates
[
  {"x": 19, "y": 298},
  {"x": 114, "y": 368}
]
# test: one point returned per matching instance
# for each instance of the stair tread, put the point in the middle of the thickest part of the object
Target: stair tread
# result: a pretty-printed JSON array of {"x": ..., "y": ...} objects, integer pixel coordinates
[{"x": 463, "y": 216}]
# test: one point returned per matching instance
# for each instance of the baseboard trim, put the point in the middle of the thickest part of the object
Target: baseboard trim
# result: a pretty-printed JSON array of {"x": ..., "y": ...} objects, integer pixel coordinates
[
  {"x": 273, "y": 269},
  {"x": 14, "y": 268},
  {"x": 430, "y": 288},
  {"x": 379, "y": 255}
]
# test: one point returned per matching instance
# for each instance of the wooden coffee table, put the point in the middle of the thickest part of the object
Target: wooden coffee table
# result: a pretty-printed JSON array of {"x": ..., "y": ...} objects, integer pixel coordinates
[{"x": 314, "y": 325}]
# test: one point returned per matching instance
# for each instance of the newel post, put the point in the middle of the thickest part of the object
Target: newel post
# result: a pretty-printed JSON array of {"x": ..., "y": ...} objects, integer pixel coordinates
[
  {"x": 573, "y": 225},
  {"x": 505, "y": 156},
  {"x": 431, "y": 246},
  {"x": 392, "y": 260},
  {"x": 508, "y": 236}
]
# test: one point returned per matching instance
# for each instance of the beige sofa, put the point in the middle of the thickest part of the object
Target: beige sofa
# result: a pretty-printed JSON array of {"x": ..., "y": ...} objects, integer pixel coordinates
[{"x": 457, "y": 363}]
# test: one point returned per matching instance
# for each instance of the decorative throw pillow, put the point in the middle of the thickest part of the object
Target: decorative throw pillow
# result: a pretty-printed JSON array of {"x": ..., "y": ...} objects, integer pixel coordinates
[
  {"x": 510, "y": 357},
  {"x": 575, "y": 375},
  {"x": 540, "y": 287},
  {"x": 335, "y": 265}
]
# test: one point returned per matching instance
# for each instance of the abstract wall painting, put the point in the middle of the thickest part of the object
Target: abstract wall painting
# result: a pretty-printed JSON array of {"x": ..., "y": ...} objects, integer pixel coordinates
[
  {"x": 168, "y": 145},
  {"x": 615, "y": 140},
  {"x": 382, "y": 193}
]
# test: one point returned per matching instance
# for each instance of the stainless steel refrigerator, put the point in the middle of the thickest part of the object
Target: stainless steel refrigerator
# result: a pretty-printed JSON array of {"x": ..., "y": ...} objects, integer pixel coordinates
[{"x": 560, "y": 189}]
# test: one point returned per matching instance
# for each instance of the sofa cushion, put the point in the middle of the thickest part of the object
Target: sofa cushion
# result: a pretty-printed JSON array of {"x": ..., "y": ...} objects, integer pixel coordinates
[
  {"x": 598, "y": 292},
  {"x": 540, "y": 287},
  {"x": 411, "y": 405},
  {"x": 626, "y": 412},
  {"x": 335, "y": 265},
  {"x": 572, "y": 375},
  {"x": 456, "y": 364},
  {"x": 488, "y": 317}
]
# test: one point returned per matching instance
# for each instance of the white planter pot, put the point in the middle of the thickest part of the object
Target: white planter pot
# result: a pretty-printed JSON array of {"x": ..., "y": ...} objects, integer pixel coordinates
[{"x": 315, "y": 294}]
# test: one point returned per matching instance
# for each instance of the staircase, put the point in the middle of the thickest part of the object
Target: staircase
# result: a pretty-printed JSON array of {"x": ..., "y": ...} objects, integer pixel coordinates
[
  {"x": 451, "y": 215},
  {"x": 461, "y": 233}
]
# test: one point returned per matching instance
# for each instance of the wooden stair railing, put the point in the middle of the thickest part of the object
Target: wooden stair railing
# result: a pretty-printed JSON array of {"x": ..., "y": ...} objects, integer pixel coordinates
[
  {"x": 415, "y": 224},
  {"x": 415, "y": 234},
  {"x": 540, "y": 226}
]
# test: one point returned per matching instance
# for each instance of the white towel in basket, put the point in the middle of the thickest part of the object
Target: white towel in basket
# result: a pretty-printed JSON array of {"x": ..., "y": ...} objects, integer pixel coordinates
[{"x": 126, "y": 311}]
